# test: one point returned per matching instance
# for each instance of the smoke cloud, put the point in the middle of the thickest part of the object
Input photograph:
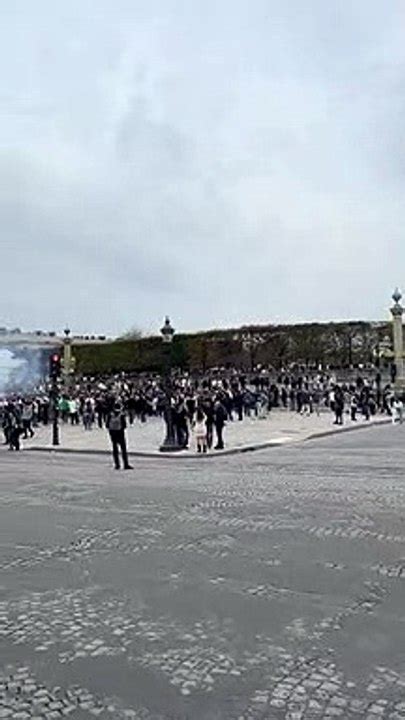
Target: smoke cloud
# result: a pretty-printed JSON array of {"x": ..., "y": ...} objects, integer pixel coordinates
[{"x": 20, "y": 373}]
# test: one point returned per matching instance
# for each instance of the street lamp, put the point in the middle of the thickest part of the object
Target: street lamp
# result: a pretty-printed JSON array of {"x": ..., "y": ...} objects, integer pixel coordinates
[
  {"x": 67, "y": 356},
  {"x": 69, "y": 361},
  {"x": 397, "y": 312},
  {"x": 170, "y": 443},
  {"x": 59, "y": 366}
]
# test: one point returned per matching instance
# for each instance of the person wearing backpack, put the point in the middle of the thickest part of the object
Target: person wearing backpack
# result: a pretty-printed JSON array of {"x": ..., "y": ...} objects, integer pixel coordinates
[{"x": 116, "y": 425}]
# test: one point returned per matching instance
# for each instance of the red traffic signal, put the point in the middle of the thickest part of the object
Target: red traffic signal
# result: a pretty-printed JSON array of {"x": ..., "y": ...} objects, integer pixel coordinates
[{"x": 55, "y": 365}]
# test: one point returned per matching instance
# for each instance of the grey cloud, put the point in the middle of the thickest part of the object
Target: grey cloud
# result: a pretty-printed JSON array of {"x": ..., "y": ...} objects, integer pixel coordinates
[{"x": 222, "y": 162}]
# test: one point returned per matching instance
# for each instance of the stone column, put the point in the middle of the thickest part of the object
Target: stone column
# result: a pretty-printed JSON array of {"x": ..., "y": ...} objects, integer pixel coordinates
[
  {"x": 397, "y": 328},
  {"x": 67, "y": 358}
]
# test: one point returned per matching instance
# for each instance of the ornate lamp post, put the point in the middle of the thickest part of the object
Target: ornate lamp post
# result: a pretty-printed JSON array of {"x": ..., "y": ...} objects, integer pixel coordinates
[
  {"x": 397, "y": 311},
  {"x": 67, "y": 357},
  {"x": 170, "y": 443}
]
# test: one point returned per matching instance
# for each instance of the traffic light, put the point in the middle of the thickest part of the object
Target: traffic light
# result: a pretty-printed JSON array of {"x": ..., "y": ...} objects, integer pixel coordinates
[{"x": 55, "y": 366}]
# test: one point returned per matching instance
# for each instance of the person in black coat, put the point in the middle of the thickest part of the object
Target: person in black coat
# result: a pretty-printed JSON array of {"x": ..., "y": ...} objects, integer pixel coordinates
[
  {"x": 181, "y": 424},
  {"x": 339, "y": 405},
  {"x": 220, "y": 417},
  {"x": 208, "y": 409},
  {"x": 117, "y": 424},
  {"x": 238, "y": 403},
  {"x": 12, "y": 427}
]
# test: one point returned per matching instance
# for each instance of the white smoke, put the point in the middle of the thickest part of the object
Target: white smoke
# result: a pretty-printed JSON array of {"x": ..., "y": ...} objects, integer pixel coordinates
[
  {"x": 19, "y": 374},
  {"x": 9, "y": 365}
]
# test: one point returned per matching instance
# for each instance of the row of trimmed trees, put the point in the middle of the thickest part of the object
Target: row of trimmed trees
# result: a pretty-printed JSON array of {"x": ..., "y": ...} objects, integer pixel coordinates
[{"x": 335, "y": 344}]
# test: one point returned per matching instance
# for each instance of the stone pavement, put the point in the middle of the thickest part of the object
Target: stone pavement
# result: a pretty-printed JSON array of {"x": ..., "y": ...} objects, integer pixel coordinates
[
  {"x": 278, "y": 428},
  {"x": 266, "y": 586}
]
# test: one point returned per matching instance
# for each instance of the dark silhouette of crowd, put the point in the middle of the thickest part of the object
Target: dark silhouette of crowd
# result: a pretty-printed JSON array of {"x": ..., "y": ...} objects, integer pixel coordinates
[{"x": 205, "y": 400}]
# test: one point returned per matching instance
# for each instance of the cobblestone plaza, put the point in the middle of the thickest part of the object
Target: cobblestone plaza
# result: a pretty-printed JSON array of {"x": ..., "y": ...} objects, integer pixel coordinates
[
  {"x": 267, "y": 586},
  {"x": 279, "y": 427}
]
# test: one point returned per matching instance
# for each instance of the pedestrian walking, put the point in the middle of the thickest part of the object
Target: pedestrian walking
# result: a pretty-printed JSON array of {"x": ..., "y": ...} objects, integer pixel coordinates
[
  {"x": 13, "y": 430},
  {"x": 116, "y": 424},
  {"x": 305, "y": 401},
  {"x": 88, "y": 414},
  {"x": 397, "y": 411},
  {"x": 27, "y": 414},
  {"x": 73, "y": 411}
]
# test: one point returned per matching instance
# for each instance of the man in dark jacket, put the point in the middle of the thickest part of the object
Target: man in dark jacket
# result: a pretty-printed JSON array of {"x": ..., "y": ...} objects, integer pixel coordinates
[
  {"x": 99, "y": 409},
  {"x": 238, "y": 403},
  {"x": 116, "y": 424},
  {"x": 12, "y": 427},
  {"x": 208, "y": 409},
  {"x": 220, "y": 417},
  {"x": 180, "y": 423},
  {"x": 339, "y": 405}
]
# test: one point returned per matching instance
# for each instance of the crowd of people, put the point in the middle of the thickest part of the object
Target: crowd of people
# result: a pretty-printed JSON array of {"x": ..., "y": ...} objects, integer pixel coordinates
[{"x": 199, "y": 405}]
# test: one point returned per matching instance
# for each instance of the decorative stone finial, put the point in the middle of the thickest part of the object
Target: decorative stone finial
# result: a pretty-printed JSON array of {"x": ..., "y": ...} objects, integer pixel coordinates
[
  {"x": 397, "y": 295},
  {"x": 167, "y": 331}
]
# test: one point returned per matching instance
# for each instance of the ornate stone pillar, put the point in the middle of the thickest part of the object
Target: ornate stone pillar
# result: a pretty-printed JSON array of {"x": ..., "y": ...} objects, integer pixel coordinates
[
  {"x": 397, "y": 311},
  {"x": 67, "y": 358}
]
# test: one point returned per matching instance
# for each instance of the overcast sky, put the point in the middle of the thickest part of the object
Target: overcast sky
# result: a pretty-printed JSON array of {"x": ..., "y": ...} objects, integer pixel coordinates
[{"x": 222, "y": 161}]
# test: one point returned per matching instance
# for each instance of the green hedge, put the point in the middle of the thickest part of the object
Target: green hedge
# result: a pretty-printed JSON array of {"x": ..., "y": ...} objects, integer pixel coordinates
[{"x": 336, "y": 344}]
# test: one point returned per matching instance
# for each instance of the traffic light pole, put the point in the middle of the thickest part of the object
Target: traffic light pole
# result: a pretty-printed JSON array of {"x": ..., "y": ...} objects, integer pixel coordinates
[
  {"x": 55, "y": 412},
  {"x": 54, "y": 372}
]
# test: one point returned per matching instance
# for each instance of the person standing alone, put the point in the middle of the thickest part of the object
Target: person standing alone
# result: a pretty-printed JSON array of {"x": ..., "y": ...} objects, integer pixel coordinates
[
  {"x": 200, "y": 431},
  {"x": 116, "y": 425},
  {"x": 220, "y": 417},
  {"x": 339, "y": 406},
  {"x": 27, "y": 414}
]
